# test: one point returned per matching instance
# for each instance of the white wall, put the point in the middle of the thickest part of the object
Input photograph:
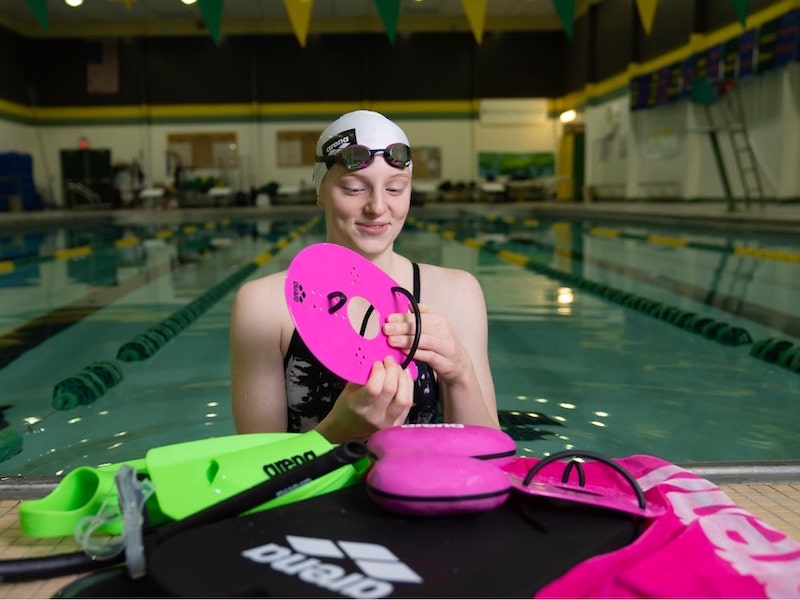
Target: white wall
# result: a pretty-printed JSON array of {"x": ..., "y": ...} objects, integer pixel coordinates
[
  {"x": 789, "y": 177},
  {"x": 608, "y": 143},
  {"x": 460, "y": 141},
  {"x": 639, "y": 154},
  {"x": 669, "y": 147}
]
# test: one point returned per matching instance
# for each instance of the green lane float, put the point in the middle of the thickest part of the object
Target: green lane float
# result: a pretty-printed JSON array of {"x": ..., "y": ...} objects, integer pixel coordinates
[
  {"x": 96, "y": 379},
  {"x": 86, "y": 386},
  {"x": 146, "y": 344},
  {"x": 779, "y": 352},
  {"x": 711, "y": 329},
  {"x": 10, "y": 443}
]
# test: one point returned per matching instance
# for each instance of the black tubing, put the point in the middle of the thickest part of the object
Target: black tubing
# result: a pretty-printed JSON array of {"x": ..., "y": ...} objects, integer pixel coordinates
[
  {"x": 341, "y": 455},
  {"x": 417, "y": 324},
  {"x": 568, "y": 469},
  {"x": 45, "y": 567},
  {"x": 341, "y": 298},
  {"x": 595, "y": 456}
]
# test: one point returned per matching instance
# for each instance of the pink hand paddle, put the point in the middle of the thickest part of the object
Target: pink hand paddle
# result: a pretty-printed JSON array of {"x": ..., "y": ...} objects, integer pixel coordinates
[
  {"x": 604, "y": 494},
  {"x": 320, "y": 283}
]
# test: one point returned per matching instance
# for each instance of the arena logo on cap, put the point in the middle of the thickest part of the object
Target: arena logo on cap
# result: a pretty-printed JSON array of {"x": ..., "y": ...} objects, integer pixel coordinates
[{"x": 340, "y": 140}]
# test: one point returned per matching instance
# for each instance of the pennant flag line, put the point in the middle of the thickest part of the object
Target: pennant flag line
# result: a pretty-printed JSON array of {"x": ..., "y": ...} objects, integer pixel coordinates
[{"x": 299, "y": 12}]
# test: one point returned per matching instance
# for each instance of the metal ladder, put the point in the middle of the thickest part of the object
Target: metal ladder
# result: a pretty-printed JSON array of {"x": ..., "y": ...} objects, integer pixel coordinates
[
  {"x": 79, "y": 190},
  {"x": 744, "y": 153}
]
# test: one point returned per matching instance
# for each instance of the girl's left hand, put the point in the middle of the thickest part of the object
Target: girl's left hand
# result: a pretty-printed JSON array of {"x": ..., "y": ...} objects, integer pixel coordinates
[{"x": 438, "y": 345}]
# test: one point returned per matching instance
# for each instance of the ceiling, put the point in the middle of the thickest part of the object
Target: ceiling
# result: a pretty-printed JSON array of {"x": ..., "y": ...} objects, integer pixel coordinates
[{"x": 172, "y": 17}]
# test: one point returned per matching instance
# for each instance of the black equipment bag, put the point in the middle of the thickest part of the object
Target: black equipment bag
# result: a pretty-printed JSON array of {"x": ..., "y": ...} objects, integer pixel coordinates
[{"x": 343, "y": 544}]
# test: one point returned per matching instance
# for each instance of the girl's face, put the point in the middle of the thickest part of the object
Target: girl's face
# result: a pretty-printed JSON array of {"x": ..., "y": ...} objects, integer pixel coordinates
[{"x": 365, "y": 209}]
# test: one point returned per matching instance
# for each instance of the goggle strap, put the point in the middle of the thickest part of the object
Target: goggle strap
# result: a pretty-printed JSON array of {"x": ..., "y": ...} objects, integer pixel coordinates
[{"x": 354, "y": 163}]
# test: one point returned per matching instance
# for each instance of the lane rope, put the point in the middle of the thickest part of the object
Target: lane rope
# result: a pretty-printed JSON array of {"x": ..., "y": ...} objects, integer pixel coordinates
[{"x": 778, "y": 351}]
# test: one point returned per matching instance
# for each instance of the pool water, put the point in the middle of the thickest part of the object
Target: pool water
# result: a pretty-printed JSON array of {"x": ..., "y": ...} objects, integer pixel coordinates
[{"x": 612, "y": 338}]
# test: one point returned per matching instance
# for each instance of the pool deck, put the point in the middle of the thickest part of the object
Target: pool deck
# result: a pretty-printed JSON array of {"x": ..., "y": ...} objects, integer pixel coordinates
[
  {"x": 775, "y": 216},
  {"x": 771, "y": 492}
]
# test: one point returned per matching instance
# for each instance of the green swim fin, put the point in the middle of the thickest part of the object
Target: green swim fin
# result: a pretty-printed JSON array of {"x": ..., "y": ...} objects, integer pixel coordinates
[
  {"x": 81, "y": 493},
  {"x": 187, "y": 477},
  {"x": 185, "y": 485}
]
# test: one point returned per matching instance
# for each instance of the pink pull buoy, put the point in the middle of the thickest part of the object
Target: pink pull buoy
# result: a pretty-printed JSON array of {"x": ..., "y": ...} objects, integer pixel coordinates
[
  {"x": 455, "y": 439},
  {"x": 436, "y": 485},
  {"x": 321, "y": 281}
]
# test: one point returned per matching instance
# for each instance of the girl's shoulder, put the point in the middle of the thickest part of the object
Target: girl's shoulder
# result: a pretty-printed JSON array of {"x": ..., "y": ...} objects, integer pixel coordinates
[
  {"x": 445, "y": 275},
  {"x": 262, "y": 291},
  {"x": 439, "y": 283}
]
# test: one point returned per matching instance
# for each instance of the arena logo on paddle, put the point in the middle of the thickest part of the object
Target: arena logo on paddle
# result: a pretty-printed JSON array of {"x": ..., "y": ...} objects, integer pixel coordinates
[
  {"x": 287, "y": 464},
  {"x": 377, "y": 566}
]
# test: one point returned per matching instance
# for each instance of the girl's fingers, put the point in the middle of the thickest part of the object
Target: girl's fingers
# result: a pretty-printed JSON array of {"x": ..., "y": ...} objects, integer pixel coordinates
[
  {"x": 402, "y": 401},
  {"x": 390, "y": 380}
]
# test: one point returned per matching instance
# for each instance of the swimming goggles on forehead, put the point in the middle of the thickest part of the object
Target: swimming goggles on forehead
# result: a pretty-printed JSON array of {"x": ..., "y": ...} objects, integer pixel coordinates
[{"x": 359, "y": 157}]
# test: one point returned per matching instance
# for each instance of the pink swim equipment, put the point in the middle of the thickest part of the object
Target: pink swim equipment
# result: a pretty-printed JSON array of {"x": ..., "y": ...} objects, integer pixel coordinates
[{"x": 321, "y": 281}]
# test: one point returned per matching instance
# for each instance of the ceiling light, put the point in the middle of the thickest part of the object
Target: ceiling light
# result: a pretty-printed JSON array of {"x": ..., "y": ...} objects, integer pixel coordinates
[
  {"x": 567, "y": 116},
  {"x": 73, "y": 3},
  {"x": 187, "y": 2}
]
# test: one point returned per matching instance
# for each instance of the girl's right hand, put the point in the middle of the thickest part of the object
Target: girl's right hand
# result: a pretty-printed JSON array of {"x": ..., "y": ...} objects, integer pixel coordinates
[{"x": 383, "y": 401}]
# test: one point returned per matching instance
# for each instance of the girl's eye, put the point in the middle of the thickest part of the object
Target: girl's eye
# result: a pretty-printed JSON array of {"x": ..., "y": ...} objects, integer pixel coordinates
[
  {"x": 350, "y": 185},
  {"x": 396, "y": 188}
]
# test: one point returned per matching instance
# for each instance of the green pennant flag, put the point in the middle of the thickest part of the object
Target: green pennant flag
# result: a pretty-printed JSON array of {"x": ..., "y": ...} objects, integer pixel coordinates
[
  {"x": 39, "y": 9},
  {"x": 566, "y": 14},
  {"x": 389, "y": 10},
  {"x": 740, "y": 7},
  {"x": 212, "y": 15}
]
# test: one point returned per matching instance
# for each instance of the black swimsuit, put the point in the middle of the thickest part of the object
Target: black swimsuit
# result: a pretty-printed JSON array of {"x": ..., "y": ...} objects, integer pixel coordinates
[{"x": 311, "y": 388}]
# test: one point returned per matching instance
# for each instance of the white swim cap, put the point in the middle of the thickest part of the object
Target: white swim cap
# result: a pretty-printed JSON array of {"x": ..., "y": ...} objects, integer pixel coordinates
[{"x": 364, "y": 127}]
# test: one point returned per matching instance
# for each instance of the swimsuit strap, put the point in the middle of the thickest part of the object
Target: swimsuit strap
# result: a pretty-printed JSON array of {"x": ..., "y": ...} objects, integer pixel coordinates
[{"x": 416, "y": 280}]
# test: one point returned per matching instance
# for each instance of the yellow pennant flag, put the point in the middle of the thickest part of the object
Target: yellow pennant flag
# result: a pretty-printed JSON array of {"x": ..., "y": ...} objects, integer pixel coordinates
[
  {"x": 300, "y": 16},
  {"x": 476, "y": 14},
  {"x": 647, "y": 13}
]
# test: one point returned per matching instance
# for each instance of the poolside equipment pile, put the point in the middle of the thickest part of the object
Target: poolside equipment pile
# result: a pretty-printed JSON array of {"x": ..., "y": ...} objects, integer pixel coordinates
[
  {"x": 458, "y": 475},
  {"x": 430, "y": 518}
]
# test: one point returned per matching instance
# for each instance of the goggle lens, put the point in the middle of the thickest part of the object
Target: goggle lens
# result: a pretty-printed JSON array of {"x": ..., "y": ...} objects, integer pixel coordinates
[{"x": 359, "y": 157}]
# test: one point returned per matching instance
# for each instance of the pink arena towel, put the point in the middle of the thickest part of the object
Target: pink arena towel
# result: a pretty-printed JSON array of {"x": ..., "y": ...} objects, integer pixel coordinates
[{"x": 704, "y": 546}]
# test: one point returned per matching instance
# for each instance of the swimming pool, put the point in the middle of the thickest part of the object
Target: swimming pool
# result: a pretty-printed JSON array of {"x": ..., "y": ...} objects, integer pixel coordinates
[{"x": 611, "y": 337}]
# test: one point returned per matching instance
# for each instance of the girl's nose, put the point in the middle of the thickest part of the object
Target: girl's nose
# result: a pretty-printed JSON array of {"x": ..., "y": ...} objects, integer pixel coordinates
[{"x": 377, "y": 202}]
